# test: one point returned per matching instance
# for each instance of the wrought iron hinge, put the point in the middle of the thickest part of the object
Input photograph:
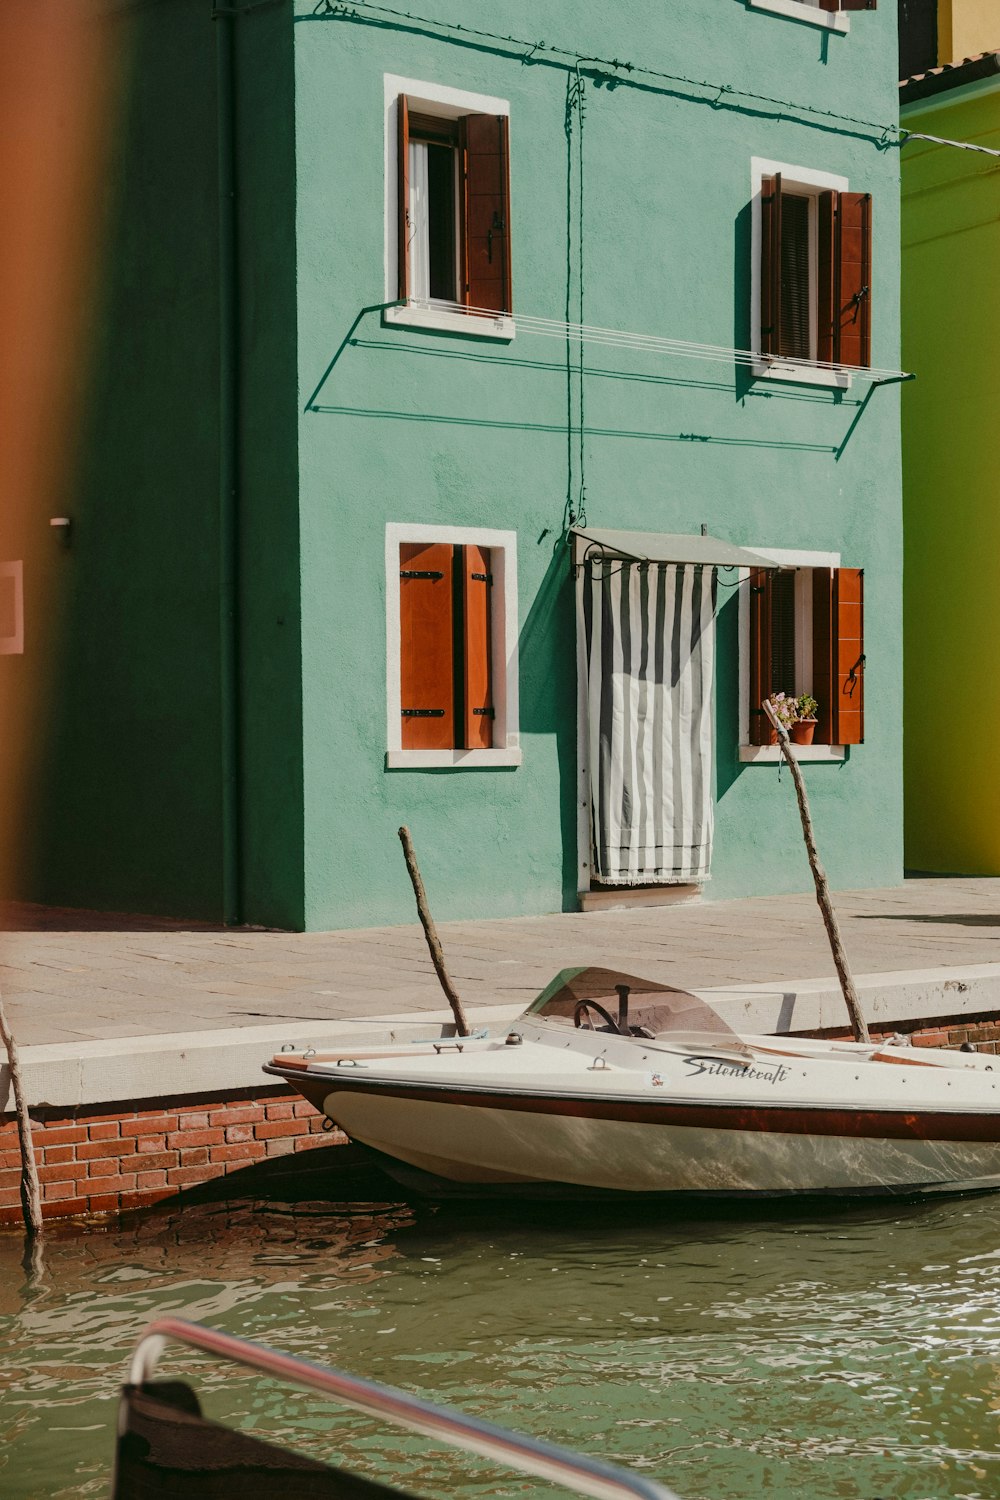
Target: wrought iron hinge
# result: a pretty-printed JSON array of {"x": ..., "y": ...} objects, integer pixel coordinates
[
  {"x": 497, "y": 226},
  {"x": 482, "y": 577},
  {"x": 490, "y": 713},
  {"x": 410, "y": 573},
  {"x": 422, "y": 713}
]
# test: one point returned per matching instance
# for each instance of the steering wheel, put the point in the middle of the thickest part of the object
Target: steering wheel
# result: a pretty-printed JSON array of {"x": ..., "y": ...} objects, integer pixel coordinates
[{"x": 585, "y": 1005}]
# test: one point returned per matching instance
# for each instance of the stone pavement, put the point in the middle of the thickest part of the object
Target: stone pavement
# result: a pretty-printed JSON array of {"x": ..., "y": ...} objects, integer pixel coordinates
[{"x": 72, "y": 977}]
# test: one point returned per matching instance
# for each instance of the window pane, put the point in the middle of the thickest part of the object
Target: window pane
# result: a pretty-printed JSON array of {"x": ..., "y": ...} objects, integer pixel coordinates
[
  {"x": 794, "y": 333},
  {"x": 417, "y": 228}
]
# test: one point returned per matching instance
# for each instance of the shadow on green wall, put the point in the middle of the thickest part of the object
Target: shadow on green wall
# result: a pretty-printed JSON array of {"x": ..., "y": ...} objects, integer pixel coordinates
[
  {"x": 547, "y": 648},
  {"x": 727, "y": 701}
]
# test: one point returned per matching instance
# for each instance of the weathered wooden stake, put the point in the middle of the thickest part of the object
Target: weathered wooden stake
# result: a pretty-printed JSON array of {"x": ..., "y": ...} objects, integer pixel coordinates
[
  {"x": 430, "y": 933},
  {"x": 851, "y": 1000},
  {"x": 31, "y": 1196}
]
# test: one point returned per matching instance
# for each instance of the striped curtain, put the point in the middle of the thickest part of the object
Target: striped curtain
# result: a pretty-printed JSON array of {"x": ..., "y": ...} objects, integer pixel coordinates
[{"x": 649, "y": 637}]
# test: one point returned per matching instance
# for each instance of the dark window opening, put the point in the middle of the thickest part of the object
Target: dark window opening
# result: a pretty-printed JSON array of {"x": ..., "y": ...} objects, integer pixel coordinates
[
  {"x": 441, "y": 256},
  {"x": 918, "y": 37},
  {"x": 783, "y": 633},
  {"x": 794, "y": 335}
]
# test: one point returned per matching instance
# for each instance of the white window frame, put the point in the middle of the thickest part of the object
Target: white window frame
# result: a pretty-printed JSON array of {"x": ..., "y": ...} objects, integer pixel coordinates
[
  {"x": 13, "y": 645},
  {"x": 502, "y": 546},
  {"x": 807, "y": 11},
  {"x": 446, "y": 104},
  {"x": 768, "y": 754},
  {"x": 797, "y": 180}
]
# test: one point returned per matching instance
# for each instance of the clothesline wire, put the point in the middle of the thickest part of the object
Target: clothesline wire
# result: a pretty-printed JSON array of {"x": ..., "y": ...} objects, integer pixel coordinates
[{"x": 655, "y": 343}]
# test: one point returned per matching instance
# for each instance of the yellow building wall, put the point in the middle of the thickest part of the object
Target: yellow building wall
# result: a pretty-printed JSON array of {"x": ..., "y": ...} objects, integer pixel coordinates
[
  {"x": 951, "y": 490},
  {"x": 966, "y": 28}
]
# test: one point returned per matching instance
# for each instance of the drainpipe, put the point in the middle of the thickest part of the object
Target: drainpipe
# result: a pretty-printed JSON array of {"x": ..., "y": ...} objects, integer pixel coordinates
[{"x": 229, "y": 469}]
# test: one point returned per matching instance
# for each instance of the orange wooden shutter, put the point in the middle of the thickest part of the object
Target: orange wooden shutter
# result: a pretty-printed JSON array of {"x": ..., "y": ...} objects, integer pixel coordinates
[
  {"x": 770, "y": 266},
  {"x": 426, "y": 646},
  {"x": 403, "y": 212},
  {"x": 822, "y": 654},
  {"x": 853, "y": 280},
  {"x": 477, "y": 590},
  {"x": 848, "y": 697},
  {"x": 760, "y": 654},
  {"x": 486, "y": 247}
]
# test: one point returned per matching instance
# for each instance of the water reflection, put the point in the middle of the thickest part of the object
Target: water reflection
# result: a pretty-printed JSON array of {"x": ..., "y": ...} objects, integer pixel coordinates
[{"x": 851, "y": 1353}]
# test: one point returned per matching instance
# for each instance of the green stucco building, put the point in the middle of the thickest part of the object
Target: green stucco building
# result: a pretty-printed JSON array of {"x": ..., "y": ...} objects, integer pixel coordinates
[
  {"x": 404, "y": 316},
  {"x": 951, "y": 416}
]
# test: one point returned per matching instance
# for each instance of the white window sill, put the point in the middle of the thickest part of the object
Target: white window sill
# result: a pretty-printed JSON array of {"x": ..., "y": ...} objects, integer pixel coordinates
[
  {"x": 768, "y": 754},
  {"x": 773, "y": 369},
  {"x": 796, "y": 11},
  {"x": 443, "y": 320},
  {"x": 463, "y": 760}
]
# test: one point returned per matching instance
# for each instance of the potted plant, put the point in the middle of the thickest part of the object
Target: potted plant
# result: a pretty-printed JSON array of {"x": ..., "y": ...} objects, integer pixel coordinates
[
  {"x": 785, "y": 711},
  {"x": 803, "y": 726}
]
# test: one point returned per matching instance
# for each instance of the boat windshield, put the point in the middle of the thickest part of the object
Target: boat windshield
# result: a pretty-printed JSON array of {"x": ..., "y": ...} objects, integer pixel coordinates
[{"x": 608, "y": 1000}]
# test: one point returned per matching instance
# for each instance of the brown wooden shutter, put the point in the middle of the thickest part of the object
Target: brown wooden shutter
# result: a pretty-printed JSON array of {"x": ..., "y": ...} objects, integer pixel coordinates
[
  {"x": 427, "y": 645},
  {"x": 857, "y": 5},
  {"x": 848, "y": 697},
  {"x": 853, "y": 279},
  {"x": 770, "y": 265},
  {"x": 829, "y": 4},
  {"x": 486, "y": 238},
  {"x": 760, "y": 654},
  {"x": 822, "y": 654},
  {"x": 477, "y": 694},
  {"x": 403, "y": 210}
]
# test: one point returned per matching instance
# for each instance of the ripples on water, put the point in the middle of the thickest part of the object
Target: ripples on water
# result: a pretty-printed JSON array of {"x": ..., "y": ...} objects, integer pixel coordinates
[{"x": 844, "y": 1354}]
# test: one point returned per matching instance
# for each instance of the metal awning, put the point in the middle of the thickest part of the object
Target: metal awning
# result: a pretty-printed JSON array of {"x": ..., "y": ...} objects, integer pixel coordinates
[{"x": 665, "y": 547}]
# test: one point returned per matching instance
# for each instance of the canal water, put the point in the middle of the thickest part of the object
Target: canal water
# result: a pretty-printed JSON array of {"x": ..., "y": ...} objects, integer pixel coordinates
[{"x": 729, "y": 1354}]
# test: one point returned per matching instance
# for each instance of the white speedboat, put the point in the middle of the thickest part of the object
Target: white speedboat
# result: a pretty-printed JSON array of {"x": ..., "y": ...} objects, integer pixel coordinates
[{"x": 622, "y": 1085}]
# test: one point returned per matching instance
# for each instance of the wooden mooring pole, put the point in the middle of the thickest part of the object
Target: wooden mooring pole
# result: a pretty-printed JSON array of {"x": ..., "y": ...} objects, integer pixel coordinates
[
  {"x": 31, "y": 1195},
  {"x": 430, "y": 933},
  {"x": 851, "y": 1000}
]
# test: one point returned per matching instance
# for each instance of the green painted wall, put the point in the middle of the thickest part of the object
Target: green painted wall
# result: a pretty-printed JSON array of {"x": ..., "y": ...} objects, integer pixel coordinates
[
  {"x": 416, "y": 427},
  {"x": 425, "y": 428},
  {"x": 951, "y": 313}
]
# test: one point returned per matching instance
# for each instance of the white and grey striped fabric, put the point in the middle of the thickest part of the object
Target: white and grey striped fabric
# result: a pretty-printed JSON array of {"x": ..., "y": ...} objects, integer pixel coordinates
[{"x": 649, "y": 634}]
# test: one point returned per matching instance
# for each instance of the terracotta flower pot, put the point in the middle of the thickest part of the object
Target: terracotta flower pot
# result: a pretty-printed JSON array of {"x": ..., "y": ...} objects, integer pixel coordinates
[{"x": 803, "y": 731}]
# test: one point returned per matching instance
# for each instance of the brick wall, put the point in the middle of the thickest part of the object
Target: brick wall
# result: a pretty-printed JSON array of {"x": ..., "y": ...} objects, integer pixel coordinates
[
  {"x": 945, "y": 1031},
  {"x": 110, "y": 1157}
]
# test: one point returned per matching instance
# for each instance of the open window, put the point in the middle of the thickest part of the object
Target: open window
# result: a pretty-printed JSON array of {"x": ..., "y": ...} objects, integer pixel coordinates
[
  {"x": 451, "y": 625},
  {"x": 812, "y": 283},
  {"x": 806, "y": 635},
  {"x": 453, "y": 208}
]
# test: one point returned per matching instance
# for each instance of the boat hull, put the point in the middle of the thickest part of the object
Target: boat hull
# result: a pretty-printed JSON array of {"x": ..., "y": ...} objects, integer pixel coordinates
[{"x": 472, "y": 1139}]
